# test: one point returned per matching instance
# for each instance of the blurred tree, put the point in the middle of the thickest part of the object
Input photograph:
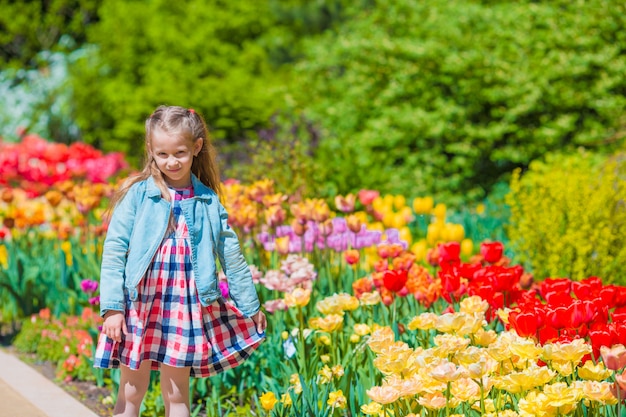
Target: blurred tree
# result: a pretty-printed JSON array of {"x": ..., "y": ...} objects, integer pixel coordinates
[
  {"x": 29, "y": 27},
  {"x": 299, "y": 20},
  {"x": 198, "y": 54},
  {"x": 447, "y": 97}
]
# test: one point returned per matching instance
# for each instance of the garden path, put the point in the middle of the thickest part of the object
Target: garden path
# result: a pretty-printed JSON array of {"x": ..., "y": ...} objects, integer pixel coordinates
[{"x": 24, "y": 392}]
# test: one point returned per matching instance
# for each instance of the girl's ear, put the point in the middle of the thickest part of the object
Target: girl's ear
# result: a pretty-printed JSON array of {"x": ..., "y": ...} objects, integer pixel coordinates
[{"x": 197, "y": 146}]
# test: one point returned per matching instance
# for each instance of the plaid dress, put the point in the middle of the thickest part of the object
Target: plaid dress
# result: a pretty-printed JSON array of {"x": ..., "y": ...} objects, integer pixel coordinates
[{"x": 168, "y": 325}]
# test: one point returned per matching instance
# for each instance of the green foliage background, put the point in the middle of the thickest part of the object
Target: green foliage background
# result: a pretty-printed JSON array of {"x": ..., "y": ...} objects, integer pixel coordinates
[
  {"x": 447, "y": 97},
  {"x": 443, "y": 98}
]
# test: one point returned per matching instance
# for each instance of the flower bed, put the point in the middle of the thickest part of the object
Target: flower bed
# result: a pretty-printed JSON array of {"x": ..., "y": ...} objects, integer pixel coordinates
[{"x": 375, "y": 307}]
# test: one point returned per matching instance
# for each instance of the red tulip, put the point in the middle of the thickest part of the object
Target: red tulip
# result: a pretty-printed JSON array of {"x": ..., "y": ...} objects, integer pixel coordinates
[
  {"x": 449, "y": 252},
  {"x": 620, "y": 297},
  {"x": 600, "y": 337},
  {"x": 547, "y": 334},
  {"x": 491, "y": 251},
  {"x": 607, "y": 294},
  {"x": 619, "y": 314},
  {"x": 619, "y": 335},
  {"x": 366, "y": 197},
  {"x": 556, "y": 298},
  {"x": 524, "y": 323},
  {"x": 577, "y": 314},
  {"x": 587, "y": 289},
  {"x": 555, "y": 285},
  {"x": 394, "y": 280},
  {"x": 450, "y": 280},
  {"x": 557, "y": 317},
  {"x": 467, "y": 270}
]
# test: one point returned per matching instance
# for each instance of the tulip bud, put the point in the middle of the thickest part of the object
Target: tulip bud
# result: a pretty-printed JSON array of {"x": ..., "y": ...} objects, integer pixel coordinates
[
  {"x": 7, "y": 195},
  {"x": 299, "y": 227},
  {"x": 354, "y": 223},
  {"x": 325, "y": 228}
]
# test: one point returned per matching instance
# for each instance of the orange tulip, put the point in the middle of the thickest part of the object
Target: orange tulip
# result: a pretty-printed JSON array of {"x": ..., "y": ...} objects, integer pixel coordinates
[{"x": 351, "y": 256}]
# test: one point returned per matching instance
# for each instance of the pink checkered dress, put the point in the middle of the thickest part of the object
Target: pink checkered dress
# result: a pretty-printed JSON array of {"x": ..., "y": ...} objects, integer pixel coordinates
[{"x": 168, "y": 325}]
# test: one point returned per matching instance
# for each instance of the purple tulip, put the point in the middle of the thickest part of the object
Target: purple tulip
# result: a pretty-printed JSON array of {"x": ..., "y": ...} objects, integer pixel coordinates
[
  {"x": 224, "y": 288},
  {"x": 89, "y": 286}
]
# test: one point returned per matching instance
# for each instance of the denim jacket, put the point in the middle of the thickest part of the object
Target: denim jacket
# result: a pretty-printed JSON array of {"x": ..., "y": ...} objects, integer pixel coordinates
[{"x": 138, "y": 226}]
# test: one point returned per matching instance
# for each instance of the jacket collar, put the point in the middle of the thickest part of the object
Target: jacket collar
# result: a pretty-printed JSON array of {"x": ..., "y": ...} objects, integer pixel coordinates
[{"x": 199, "y": 189}]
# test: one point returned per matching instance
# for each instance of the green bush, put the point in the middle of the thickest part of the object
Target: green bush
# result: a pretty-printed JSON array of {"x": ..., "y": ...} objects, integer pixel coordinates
[
  {"x": 568, "y": 217},
  {"x": 446, "y": 98},
  {"x": 28, "y": 28},
  {"x": 195, "y": 54}
]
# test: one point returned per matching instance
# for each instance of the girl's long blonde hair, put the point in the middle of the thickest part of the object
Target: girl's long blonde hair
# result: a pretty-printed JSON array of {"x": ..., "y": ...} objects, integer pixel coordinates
[{"x": 175, "y": 120}]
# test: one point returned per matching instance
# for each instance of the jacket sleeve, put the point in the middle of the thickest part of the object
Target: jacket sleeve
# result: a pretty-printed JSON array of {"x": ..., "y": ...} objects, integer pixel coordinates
[
  {"x": 114, "y": 254},
  {"x": 241, "y": 287}
]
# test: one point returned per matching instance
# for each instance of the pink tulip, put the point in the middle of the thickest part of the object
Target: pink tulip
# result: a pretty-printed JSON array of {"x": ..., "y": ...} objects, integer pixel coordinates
[{"x": 614, "y": 358}]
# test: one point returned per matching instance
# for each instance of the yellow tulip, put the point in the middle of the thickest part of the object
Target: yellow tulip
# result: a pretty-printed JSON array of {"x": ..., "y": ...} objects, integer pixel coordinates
[
  {"x": 66, "y": 247},
  {"x": 419, "y": 250},
  {"x": 336, "y": 399},
  {"x": 405, "y": 234},
  {"x": 440, "y": 212},
  {"x": 370, "y": 298},
  {"x": 571, "y": 352},
  {"x": 517, "y": 382},
  {"x": 423, "y": 205},
  {"x": 473, "y": 304},
  {"x": 337, "y": 304},
  {"x": 399, "y": 201},
  {"x": 424, "y": 321},
  {"x": 593, "y": 372},
  {"x": 299, "y": 297},
  {"x": 467, "y": 247},
  {"x": 361, "y": 329},
  {"x": 398, "y": 221},
  {"x": 456, "y": 232},
  {"x": 433, "y": 233},
  {"x": 526, "y": 349},
  {"x": 378, "y": 204},
  {"x": 394, "y": 359},
  {"x": 599, "y": 391},
  {"x": 330, "y": 323},
  {"x": 4, "y": 257},
  {"x": 389, "y": 218},
  {"x": 285, "y": 399},
  {"x": 561, "y": 396},
  {"x": 325, "y": 375},
  {"x": 268, "y": 401},
  {"x": 372, "y": 409},
  {"x": 465, "y": 389}
]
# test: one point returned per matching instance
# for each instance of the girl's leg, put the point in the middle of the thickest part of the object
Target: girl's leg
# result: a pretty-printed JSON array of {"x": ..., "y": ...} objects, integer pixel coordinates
[
  {"x": 133, "y": 387},
  {"x": 175, "y": 390}
]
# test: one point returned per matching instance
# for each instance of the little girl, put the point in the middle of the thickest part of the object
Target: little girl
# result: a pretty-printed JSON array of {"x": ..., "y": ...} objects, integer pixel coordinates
[{"x": 159, "y": 294}]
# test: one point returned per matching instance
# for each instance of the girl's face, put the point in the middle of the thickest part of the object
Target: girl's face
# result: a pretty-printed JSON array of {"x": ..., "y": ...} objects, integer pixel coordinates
[{"x": 173, "y": 155}]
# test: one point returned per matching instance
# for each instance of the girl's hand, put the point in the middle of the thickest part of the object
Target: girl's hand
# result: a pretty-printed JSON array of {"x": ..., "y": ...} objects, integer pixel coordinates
[
  {"x": 260, "y": 321},
  {"x": 114, "y": 325}
]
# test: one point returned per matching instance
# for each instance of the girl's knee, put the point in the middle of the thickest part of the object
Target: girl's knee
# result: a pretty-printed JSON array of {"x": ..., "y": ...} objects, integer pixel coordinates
[{"x": 134, "y": 384}]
